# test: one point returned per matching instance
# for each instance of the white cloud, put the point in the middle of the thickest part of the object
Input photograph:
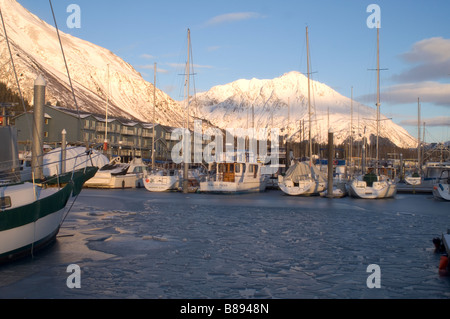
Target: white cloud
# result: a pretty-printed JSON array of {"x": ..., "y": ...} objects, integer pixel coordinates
[
  {"x": 151, "y": 67},
  {"x": 430, "y": 59},
  {"x": 233, "y": 17},
  {"x": 428, "y": 92},
  {"x": 181, "y": 65},
  {"x": 147, "y": 56},
  {"x": 434, "y": 121}
]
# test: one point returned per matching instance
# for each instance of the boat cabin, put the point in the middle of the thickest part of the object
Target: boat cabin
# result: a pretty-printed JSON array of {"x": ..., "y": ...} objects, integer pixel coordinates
[{"x": 229, "y": 172}]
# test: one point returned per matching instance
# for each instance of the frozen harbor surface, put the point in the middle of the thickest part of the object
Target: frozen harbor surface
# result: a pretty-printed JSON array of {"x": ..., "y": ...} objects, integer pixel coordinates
[{"x": 137, "y": 244}]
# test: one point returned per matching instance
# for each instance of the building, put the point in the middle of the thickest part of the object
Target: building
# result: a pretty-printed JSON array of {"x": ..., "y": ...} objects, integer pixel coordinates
[{"x": 125, "y": 138}]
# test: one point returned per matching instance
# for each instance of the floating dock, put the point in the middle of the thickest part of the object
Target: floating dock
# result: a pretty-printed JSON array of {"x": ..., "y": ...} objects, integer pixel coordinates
[{"x": 414, "y": 189}]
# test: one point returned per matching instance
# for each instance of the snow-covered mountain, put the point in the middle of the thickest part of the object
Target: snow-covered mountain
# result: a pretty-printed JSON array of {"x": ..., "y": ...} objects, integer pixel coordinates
[
  {"x": 36, "y": 50},
  {"x": 283, "y": 102}
]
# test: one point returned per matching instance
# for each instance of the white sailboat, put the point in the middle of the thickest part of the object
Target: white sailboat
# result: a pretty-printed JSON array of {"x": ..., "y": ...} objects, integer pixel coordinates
[
  {"x": 303, "y": 178},
  {"x": 374, "y": 185},
  {"x": 414, "y": 178}
]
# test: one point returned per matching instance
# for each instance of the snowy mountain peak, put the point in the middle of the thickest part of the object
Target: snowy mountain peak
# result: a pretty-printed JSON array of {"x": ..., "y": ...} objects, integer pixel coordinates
[{"x": 283, "y": 103}]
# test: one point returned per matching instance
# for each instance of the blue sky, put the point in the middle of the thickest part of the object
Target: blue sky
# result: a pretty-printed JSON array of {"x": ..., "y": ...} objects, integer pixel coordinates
[{"x": 264, "y": 39}]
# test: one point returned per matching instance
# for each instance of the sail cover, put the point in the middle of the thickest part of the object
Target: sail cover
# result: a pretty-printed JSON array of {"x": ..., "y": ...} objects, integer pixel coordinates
[{"x": 301, "y": 170}]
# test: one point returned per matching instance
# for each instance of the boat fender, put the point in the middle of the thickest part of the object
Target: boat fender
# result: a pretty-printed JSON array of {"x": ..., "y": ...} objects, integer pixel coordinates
[{"x": 443, "y": 264}]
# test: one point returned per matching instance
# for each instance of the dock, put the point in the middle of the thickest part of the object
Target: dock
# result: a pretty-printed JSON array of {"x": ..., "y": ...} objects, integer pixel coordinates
[{"x": 414, "y": 189}]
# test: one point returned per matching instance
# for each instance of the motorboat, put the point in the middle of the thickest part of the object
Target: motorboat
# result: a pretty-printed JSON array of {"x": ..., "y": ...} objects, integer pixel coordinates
[
  {"x": 441, "y": 190},
  {"x": 31, "y": 214},
  {"x": 163, "y": 180},
  {"x": 235, "y": 177},
  {"x": 120, "y": 175}
]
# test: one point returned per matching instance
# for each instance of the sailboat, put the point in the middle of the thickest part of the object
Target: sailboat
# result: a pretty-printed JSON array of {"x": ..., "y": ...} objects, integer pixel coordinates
[
  {"x": 414, "y": 178},
  {"x": 31, "y": 213},
  {"x": 303, "y": 178},
  {"x": 373, "y": 184}
]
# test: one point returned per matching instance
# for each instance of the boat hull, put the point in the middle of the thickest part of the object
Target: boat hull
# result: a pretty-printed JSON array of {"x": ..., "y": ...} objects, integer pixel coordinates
[
  {"x": 441, "y": 191},
  {"x": 305, "y": 188},
  {"x": 359, "y": 189},
  {"x": 233, "y": 187},
  {"x": 112, "y": 182},
  {"x": 35, "y": 216},
  {"x": 156, "y": 183}
]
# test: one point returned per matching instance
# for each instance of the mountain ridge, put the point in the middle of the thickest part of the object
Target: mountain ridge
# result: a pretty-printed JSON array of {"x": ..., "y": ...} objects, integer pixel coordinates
[
  {"x": 283, "y": 102},
  {"x": 36, "y": 50}
]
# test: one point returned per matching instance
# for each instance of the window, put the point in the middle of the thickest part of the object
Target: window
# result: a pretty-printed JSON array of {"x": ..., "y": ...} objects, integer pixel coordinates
[{"x": 5, "y": 202}]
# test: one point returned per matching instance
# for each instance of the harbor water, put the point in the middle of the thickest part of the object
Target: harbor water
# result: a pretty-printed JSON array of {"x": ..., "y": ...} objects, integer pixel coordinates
[{"x": 133, "y": 244}]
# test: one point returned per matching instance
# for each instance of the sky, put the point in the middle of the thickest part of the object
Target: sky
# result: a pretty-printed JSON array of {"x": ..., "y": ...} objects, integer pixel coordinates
[{"x": 264, "y": 39}]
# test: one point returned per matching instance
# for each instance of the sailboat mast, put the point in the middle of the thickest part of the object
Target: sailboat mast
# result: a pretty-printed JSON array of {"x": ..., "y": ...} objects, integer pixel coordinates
[
  {"x": 351, "y": 134},
  {"x": 378, "y": 94},
  {"x": 418, "y": 136},
  {"x": 309, "y": 96},
  {"x": 188, "y": 71},
  {"x": 154, "y": 118},
  {"x": 105, "y": 146}
]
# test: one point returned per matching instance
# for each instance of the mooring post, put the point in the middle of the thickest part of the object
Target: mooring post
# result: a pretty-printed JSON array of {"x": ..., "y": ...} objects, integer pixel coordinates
[
  {"x": 38, "y": 127},
  {"x": 330, "y": 164},
  {"x": 63, "y": 151}
]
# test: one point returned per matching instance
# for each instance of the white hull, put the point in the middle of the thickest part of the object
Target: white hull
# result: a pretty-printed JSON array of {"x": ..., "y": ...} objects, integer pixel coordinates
[
  {"x": 157, "y": 183},
  {"x": 381, "y": 189},
  {"x": 441, "y": 191},
  {"x": 23, "y": 236},
  {"x": 413, "y": 180},
  {"x": 106, "y": 180},
  {"x": 337, "y": 193},
  {"x": 304, "y": 187},
  {"x": 233, "y": 187}
]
